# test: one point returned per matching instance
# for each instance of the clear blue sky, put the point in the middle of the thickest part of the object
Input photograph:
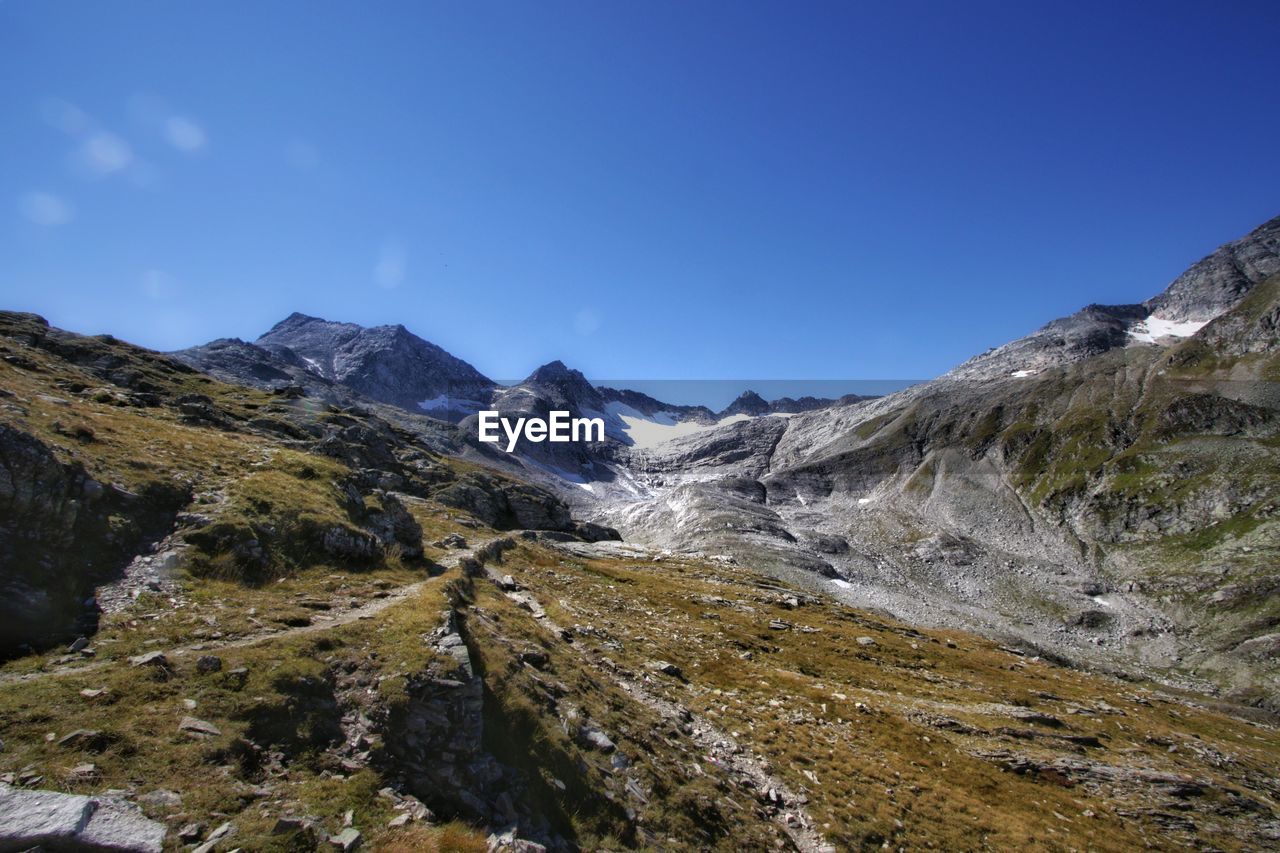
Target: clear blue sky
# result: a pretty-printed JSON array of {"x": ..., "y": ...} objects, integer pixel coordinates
[{"x": 643, "y": 189}]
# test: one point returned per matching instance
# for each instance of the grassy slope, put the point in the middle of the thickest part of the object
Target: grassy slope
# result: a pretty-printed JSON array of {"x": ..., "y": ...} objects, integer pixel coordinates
[{"x": 856, "y": 726}]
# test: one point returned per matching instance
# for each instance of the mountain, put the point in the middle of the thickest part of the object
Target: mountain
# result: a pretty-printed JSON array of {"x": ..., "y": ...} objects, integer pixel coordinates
[
  {"x": 753, "y": 405},
  {"x": 347, "y": 363},
  {"x": 1095, "y": 491},
  {"x": 1206, "y": 290},
  {"x": 634, "y": 423},
  {"x": 236, "y": 617},
  {"x": 748, "y": 403},
  {"x": 992, "y": 498},
  {"x": 553, "y": 386},
  {"x": 647, "y": 406},
  {"x": 386, "y": 363}
]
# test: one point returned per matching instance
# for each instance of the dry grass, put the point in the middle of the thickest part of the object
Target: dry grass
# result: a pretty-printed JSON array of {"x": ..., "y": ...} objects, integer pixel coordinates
[{"x": 840, "y": 720}]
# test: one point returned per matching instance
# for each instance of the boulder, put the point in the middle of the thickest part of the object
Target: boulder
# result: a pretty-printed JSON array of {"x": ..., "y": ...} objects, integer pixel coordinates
[
  {"x": 40, "y": 818},
  {"x": 88, "y": 739},
  {"x": 349, "y": 543},
  {"x": 198, "y": 728},
  {"x": 1091, "y": 619},
  {"x": 592, "y": 736},
  {"x": 506, "y": 504},
  {"x": 589, "y": 531},
  {"x": 156, "y": 659},
  {"x": 395, "y": 525},
  {"x": 191, "y": 833},
  {"x": 665, "y": 667},
  {"x": 208, "y": 663},
  {"x": 71, "y": 822},
  {"x": 347, "y": 840}
]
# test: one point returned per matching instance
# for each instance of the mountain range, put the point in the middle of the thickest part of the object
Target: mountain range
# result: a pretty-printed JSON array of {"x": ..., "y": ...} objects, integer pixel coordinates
[
  {"x": 1025, "y": 493},
  {"x": 1043, "y": 585}
]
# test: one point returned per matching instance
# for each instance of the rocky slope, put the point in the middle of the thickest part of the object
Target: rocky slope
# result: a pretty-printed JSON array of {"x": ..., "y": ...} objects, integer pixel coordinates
[
  {"x": 1083, "y": 490},
  {"x": 69, "y": 400}
]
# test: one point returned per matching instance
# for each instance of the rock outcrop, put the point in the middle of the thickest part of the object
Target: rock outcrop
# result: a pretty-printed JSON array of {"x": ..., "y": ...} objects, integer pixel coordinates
[{"x": 61, "y": 533}]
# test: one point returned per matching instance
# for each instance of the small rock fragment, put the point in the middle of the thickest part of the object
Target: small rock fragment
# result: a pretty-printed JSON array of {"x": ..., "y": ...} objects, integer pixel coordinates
[
  {"x": 191, "y": 833},
  {"x": 150, "y": 659},
  {"x": 82, "y": 773},
  {"x": 347, "y": 840},
  {"x": 198, "y": 728},
  {"x": 666, "y": 668}
]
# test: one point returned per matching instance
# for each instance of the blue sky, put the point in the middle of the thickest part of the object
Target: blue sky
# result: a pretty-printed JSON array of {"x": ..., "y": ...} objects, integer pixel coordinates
[{"x": 645, "y": 189}]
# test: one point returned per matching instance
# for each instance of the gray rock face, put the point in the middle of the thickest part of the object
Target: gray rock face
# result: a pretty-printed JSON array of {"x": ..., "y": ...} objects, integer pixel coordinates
[
  {"x": 506, "y": 504},
  {"x": 41, "y": 511},
  {"x": 385, "y": 363},
  {"x": 438, "y": 738},
  {"x": 58, "y": 540},
  {"x": 234, "y": 360},
  {"x": 741, "y": 448},
  {"x": 1218, "y": 281}
]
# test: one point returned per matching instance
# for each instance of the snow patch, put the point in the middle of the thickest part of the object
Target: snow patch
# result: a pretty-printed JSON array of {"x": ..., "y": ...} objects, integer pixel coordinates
[
  {"x": 1154, "y": 328},
  {"x": 863, "y": 501},
  {"x": 435, "y": 404},
  {"x": 445, "y": 403},
  {"x": 842, "y": 583},
  {"x": 313, "y": 364},
  {"x": 1023, "y": 374},
  {"x": 647, "y": 431},
  {"x": 569, "y": 477}
]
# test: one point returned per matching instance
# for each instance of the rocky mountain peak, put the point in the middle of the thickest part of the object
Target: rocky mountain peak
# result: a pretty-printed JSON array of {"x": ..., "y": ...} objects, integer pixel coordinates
[
  {"x": 552, "y": 372},
  {"x": 747, "y": 403},
  {"x": 1209, "y": 288},
  {"x": 1218, "y": 281},
  {"x": 388, "y": 363},
  {"x": 564, "y": 385}
]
